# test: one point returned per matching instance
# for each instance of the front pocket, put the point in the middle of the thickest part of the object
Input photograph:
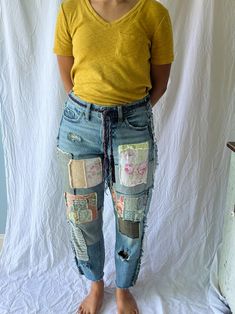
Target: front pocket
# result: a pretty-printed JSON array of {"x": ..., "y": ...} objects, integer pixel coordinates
[
  {"x": 72, "y": 114},
  {"x": 138, "y": 120}
]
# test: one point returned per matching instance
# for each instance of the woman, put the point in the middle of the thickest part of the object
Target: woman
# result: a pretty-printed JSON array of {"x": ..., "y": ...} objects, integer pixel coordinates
[{"x": 114, "y": 58}]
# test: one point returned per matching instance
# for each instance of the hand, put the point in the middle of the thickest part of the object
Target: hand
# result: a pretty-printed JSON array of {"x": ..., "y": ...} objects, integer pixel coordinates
[{"x": 151, "y": 103}]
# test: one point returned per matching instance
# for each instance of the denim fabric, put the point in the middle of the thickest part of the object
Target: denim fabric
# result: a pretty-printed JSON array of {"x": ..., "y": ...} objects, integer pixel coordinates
[{"x": 101, "y": 147}]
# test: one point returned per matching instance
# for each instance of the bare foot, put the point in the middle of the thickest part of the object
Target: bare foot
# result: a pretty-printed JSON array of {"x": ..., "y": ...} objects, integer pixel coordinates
[
  {"x": 93, "y": 301},
  {"x": 126, "y": 303}
]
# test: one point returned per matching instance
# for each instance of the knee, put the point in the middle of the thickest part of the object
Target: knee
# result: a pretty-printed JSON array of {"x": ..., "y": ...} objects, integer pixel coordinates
[{"x": 130, "y": 210}]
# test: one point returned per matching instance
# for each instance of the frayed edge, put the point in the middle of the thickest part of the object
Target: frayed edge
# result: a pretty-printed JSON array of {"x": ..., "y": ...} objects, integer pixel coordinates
[
  {"x": 97, "y": 279},
  {"x": 156, "y": 158},
  {"x": 135, "y": 276},
  {"x": 155, "y": 145}
]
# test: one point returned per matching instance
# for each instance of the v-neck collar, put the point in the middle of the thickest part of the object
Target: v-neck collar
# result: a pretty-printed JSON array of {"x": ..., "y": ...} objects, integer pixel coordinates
[{"x": 115, "y": 22}]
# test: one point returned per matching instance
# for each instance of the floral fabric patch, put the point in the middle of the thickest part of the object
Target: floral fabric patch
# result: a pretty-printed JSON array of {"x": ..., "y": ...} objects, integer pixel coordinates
[
  {"x": 81, "y": 208},
  {"x": 133, "y": 163},
  {"x": 129, "y": 207}
]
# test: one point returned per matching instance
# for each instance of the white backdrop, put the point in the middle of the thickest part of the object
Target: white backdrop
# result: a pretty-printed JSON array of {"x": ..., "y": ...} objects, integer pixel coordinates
[{"x": 193, "y": 122}]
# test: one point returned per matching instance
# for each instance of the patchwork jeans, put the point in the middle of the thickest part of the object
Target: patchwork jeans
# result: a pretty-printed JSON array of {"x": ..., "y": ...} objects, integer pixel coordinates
[{"x": 101, "y": 147}]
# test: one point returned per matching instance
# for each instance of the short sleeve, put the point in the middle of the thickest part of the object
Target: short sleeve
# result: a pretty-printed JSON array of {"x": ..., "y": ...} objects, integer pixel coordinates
[
  {"x": 62, "y": 39},
  {"x": 162, "y": 48}
]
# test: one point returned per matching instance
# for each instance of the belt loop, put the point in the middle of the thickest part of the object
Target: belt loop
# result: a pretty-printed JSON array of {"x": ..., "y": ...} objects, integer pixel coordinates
[
  {"x": 88, "y": 111},
  {"x": 120, "y": 114}
]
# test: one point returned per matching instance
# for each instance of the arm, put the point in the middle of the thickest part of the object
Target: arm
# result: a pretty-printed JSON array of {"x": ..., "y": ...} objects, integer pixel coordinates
[
  {"x": 65, "y": 64},
  {"x": 159, "y": 79}
]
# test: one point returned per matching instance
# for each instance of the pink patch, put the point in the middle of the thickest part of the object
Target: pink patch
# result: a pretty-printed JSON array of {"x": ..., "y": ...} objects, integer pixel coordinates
[
  {"x": 129, "y": 168},
  {"x": 142, "y": 168}
]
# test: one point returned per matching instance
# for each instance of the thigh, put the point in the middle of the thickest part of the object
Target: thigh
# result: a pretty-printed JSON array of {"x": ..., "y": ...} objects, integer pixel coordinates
[
  {"x": 135, "y": 163},
  {"x": 134, "y": 153},
  {"x": 80, "y": 167}
]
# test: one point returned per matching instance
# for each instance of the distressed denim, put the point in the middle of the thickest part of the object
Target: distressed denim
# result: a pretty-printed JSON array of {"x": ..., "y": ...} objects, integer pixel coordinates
[{"x": 107, "y": 147}]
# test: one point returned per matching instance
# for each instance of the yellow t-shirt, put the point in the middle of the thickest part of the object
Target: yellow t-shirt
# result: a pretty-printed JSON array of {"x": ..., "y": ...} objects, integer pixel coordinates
[{"x": 112, "y": 59}]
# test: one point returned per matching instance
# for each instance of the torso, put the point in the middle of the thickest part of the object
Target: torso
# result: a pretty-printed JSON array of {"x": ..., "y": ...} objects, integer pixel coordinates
[
  {"x": 112, "y": 45},
  {"x": 111, "y": 12}
]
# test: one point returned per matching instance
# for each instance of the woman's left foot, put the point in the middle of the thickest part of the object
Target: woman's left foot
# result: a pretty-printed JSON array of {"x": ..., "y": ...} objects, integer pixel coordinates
[{"x": 126, "y": 303}]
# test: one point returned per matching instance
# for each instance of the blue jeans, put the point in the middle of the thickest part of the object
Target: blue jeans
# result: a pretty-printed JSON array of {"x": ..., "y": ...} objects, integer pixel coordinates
[{"x": 100, "y": 147}]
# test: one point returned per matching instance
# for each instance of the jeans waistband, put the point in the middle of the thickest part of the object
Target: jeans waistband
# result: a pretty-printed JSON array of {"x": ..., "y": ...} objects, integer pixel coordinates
[
  {"x": 108, "y": 113},
  {"x": 100, "y": 108}
]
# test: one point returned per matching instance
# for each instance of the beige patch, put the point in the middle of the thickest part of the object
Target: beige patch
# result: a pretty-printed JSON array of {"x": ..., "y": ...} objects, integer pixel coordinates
[{"x": 85, "y": 173}]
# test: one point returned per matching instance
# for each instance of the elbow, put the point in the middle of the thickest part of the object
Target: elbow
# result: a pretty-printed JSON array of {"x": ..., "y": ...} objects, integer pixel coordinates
[{"x": 159, "y": 88}]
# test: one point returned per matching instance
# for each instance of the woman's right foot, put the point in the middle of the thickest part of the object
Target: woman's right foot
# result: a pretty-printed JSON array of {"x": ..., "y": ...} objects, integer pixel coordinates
[{"x": 94, "y": 300}]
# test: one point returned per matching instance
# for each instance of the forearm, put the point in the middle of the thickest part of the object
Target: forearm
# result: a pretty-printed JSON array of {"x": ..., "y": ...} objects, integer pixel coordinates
[
  {"x": 159, "y": 80},
  {"x": 65, "y": 66},
  {"x": 156, "y": 93},
  {"x": 68, "y": 85}
]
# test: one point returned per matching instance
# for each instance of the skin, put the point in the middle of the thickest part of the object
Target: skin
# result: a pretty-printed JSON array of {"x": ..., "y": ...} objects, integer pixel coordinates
[{"x": 111, "y": 10}]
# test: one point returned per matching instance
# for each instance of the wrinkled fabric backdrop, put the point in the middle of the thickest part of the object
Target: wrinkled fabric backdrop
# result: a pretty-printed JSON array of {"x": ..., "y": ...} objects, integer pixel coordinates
[{"x": 193, "y": 122}]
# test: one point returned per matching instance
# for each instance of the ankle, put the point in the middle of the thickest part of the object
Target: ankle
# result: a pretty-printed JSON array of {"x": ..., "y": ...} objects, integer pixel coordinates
[
  {"x": 97, "y": 283},
  {"x": 122, "y": 290}
]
